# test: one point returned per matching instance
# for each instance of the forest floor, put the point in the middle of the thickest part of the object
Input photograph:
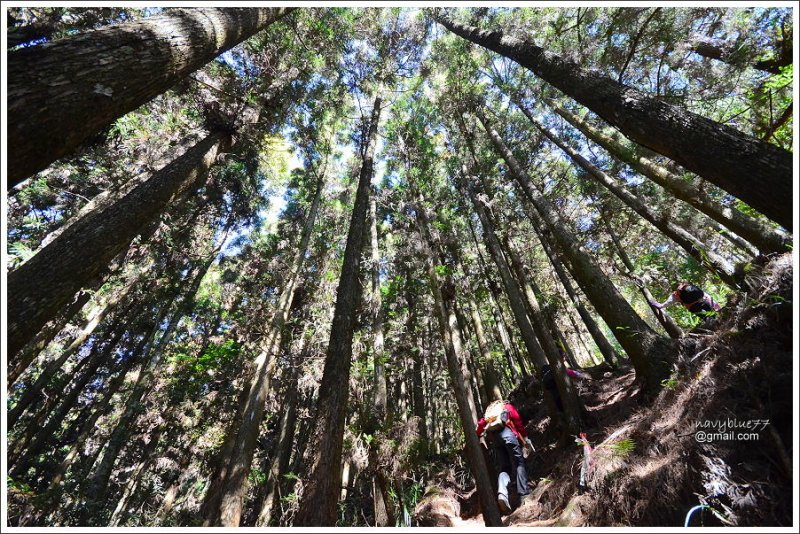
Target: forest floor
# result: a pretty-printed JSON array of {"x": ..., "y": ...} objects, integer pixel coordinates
[{"x": 719, "y": 433}]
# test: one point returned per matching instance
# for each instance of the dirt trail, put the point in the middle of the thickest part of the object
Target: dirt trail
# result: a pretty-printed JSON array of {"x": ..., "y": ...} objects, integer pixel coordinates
[{"x": 649, "y": 468}]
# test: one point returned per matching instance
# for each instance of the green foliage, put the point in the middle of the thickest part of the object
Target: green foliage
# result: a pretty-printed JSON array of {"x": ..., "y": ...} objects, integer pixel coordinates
[
  {"x": 622, "y": 448},
  {"x": 195, "y": 371},
  {"x": 257, "y": 477}
]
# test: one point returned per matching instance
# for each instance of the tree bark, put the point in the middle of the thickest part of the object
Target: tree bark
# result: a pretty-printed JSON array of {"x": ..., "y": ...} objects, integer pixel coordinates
[
  {"x": 62, "y": 93},
  {"x": 318, "y": 505},
  {"x": 757, "y": 172},
  {"x": 647, "y": 350},
  {"x": 760, "y": 234},
  {"x": 693, "y": 246},
  {"x": 45, "y": 283}
]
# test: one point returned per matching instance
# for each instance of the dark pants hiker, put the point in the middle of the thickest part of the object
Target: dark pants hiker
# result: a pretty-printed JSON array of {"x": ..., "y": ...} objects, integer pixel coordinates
[{"x": 508, "y": 459}]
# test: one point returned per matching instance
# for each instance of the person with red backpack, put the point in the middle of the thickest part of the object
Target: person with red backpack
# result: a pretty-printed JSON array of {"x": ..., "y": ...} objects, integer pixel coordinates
[
  {"x": 507, "y": 436},
  {"x": 693, "y": 299}
]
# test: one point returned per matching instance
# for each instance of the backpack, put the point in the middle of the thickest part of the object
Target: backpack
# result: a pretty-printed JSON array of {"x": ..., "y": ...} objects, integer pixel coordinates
[
  {"x": 496, "y": 416},
  {"x": 691, "y": 294}
]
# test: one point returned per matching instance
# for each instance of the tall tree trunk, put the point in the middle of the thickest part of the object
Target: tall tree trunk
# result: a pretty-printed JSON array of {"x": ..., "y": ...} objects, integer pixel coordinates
[
  {"x": 241, "y": 459},
  {"x": 757, "y": 172},
  {"x": 415, "y": 347},
  {"x": 88, "y": 426},
  {"x": 379, "y": 388},
  {"x": 380, "y": 497},
  {"x": 491, "y": 380},
  {"x": 649, "y": 354},
  {"x": 318, "y": 505},
  {"x": 692, "y": 245},
  {"x": 62, "y": 93},
  {"x": 444, "y": 298},
  {"x": 760, "y": 234},
  {"x": 665, "y": 319},
  {"x": 509, "y": 346},
  {"x": 44, "y": 435},
  {"x": 473, "y": 365},
  {"x": 46, "y": 282}
]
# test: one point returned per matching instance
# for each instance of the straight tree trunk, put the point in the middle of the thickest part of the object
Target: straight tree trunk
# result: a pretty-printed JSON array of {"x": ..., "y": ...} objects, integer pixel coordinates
[
  {"x": 415, "y": 345},
  {"x": 379, "y": 388},
  {"x": 283, "y": 451},
  {"x": 318, "y": 505},
  {"x": 46, "y": 282},
  {"x": 62, "y": 93},
  {"x": 241, "y": 459},
  {"x": 693, "y": 246},
  {"x": 444, "y": 298},
  {"x": 760, "y": 234},
  {"x": 649, "y": 353},
  {"x": 757, "y": 172},
  {"x": 491, "y": 380},
  {"x": 380, "y": 498}
]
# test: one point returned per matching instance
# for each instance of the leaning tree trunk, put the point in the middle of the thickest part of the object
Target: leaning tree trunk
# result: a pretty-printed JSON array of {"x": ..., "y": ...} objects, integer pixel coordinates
[
  {"x": 444, "y": 300},
  {"x": 62, "y": 93},
  {"x": 241, "y": 458},
  {"x": 509, "y": 346},
  {"x": 44, "y": 435},
  {"x": 46, "y": 282},
  {"x": 318, "y": 505},
  {"x": 648, "y": 353},
  {"x": 757, "y": 172},
  {"x": 760, "y": 234},
  {"x": 692, "y": 245},
  {"x": 31, "y": 394},
  {"x": 98, "y": 485}
]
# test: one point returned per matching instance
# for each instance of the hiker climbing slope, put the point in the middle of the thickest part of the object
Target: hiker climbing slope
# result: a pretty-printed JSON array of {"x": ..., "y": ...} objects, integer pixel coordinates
[
  {"x": 507, "y": 436},
  {"x": 693, "y": 299}
]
